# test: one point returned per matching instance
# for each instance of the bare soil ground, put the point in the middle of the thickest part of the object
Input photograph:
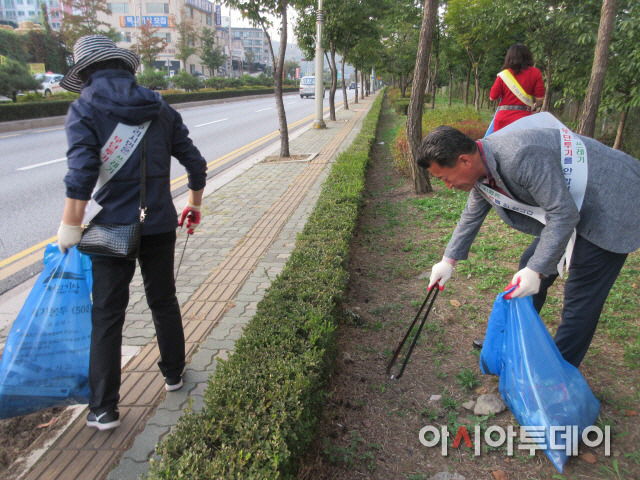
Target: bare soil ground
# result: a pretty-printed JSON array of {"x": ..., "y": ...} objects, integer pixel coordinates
[
  {"x": 370, "y": 424},
  {"x": 20, "y": 434}
]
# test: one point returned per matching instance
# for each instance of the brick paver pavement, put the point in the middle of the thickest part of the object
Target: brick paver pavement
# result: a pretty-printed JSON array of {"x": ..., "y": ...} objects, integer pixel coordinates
[{"x": 247, "y": 233}]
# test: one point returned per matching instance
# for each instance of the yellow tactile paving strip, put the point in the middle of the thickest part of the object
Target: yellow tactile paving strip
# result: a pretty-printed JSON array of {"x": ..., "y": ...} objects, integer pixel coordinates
[{"x": 84, "y": 453}]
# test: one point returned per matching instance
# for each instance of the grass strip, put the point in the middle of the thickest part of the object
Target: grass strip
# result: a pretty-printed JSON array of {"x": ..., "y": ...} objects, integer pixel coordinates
[{"x": 261, "y": 405}]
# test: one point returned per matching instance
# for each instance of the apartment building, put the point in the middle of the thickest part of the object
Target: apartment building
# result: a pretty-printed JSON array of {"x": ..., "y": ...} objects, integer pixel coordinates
[
  {"x": 254, "y": 40},
  {"x": 15, "y": 11},
  {"x": 162, "y": 15}
]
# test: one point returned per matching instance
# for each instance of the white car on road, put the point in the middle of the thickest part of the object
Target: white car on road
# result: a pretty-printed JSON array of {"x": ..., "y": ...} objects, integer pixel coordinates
[
  {"x": 308, "y": 87},
  {"x": 50, "y": 83}
]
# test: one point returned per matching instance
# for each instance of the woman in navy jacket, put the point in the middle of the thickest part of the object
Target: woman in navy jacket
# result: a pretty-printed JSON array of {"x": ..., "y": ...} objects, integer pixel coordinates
[{"x": 103, "y": 75}]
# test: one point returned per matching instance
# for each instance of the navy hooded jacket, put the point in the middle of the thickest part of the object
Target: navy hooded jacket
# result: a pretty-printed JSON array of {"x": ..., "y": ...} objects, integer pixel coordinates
[{"x": 110, "y": 97}]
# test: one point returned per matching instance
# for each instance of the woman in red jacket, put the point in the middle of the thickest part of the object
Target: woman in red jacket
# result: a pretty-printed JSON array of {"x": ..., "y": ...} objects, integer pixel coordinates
[{"x": 519, "y": 86}]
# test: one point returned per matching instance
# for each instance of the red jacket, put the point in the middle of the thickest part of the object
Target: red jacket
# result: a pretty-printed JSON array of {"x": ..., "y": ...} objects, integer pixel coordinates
[{"x": 530, "y": 80}]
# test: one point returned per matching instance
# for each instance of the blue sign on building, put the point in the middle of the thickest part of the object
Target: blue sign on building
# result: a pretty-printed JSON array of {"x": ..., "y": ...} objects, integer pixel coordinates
[
  {"x": 153, "y": 21},
  {"x": 218, "y": 16}
]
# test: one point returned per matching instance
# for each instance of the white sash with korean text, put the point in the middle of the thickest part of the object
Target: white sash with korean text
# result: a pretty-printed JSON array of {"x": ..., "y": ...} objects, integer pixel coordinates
[
  {"x": 113, "y": 155},
  {"x": 573, "y": 160}
]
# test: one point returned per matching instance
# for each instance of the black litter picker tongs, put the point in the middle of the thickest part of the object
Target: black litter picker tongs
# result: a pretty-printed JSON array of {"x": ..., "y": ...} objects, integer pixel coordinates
[{"x": 394, "y": 359}]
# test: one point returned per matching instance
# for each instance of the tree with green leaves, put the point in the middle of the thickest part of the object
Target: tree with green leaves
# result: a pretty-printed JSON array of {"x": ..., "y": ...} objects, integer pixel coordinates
[
  {"x": 260, "y": 13},
  {"x": 148, "y": 45},
  {"x": 14, "y": 77},
  {"x": 84, "y": 21},
  {"x": 250, "y": 58},
  {"x": 187, "y": 37},
  {"x": 473, "y": 25},
  {"x": 211, "y": 53},
  {"x": 290, "y": 68}
]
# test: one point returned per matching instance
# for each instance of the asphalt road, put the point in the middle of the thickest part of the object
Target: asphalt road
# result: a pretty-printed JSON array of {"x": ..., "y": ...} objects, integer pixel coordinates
[{"x": 33, "y": 162}]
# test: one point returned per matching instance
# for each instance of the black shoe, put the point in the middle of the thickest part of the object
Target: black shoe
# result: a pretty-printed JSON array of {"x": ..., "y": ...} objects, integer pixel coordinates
[
  {"x": 105, "y": 421},
  {"x": 174, "y": 383},
  {"x": 478, "y": 342}
]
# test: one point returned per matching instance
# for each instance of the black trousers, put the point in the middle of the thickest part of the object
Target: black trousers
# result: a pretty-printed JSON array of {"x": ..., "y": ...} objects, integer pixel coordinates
[
  {"x": 592, "y": 273},
  {"x": 111, "y": 279}
]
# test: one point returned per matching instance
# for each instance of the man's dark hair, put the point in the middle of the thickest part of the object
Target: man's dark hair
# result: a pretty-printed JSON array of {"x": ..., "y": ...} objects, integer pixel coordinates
[
  {"x": 444, "y": 145},
  {"x": 112, "y": 64},
  {"x": 518, "y": 58}
]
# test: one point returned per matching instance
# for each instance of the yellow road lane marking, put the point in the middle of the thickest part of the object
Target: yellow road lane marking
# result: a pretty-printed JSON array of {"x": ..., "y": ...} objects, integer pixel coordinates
[
  {"x": 29, "y": 250},
  {"x": 14, "y": 135},
  {"x": 48, "y": 130}
]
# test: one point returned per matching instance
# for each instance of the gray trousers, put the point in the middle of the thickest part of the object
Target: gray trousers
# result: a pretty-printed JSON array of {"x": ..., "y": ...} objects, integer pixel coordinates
[{"x": 592, "y": 273}]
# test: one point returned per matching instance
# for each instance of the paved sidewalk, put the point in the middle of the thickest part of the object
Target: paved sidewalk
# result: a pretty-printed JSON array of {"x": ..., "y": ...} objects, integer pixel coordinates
[{"x": 248, "y": 232}]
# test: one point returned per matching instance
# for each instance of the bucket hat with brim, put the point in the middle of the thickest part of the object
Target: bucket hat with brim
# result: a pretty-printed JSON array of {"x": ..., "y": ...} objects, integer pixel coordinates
[{"x": 92, "y": 49}]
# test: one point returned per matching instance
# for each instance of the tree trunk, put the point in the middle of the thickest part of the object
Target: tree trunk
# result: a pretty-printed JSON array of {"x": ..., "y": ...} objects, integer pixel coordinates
[
  {"x": 435, "y": 85},
  {"x": 334, "y": 80},
  {"x": 393, "y": 80},
  {"x": 599, "y": 69},
  {"x": 279, "y": 67},
  {"x": 546, "y": 103},
  {"x": 566, "y": 108},
  {"x": 450, "y": 85},
  {"x": 623, "y": 119},
  {"x": 476, "y": 88},
  {"x": 577, "y": 111},
  {"x": 482, "y": 100},
  {"x": 467, "y": 85},
  {"x": 361, "y": 84},
  {"x": 421, "y": 183},
  {"x": 344, "y": 85},
  {"x": 356, "y": 87}
]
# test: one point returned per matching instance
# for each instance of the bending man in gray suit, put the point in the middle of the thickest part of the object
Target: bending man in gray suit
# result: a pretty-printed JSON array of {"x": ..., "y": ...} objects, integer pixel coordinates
[{"x": 524, "y": 168}]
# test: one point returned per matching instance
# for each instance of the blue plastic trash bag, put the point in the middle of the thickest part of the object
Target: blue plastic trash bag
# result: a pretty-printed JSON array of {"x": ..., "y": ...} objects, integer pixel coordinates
[
  {"x": 46, "y": 358},
  {"x": 540, "y": 388}
]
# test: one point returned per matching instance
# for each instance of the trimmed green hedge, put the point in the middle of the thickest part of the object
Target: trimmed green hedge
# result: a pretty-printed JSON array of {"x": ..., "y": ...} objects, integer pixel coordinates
[
  {"x": 261, "y": 405},
  {"x": 54, "y": 108},
  {"x": 24, "y": 111}
]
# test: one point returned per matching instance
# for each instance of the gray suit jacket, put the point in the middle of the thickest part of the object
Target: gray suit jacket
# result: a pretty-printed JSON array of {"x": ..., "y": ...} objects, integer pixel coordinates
[{"x": 526, "y": 164}]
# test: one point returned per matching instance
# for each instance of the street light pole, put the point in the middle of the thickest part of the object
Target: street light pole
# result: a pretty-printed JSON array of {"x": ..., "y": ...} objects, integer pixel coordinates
[{"x": 318, "y": 121}]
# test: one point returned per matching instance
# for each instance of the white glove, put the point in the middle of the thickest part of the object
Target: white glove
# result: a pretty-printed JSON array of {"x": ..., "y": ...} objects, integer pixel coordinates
[
  {"x": 528, "y": 283},
  {"x": 441, "y": 272},
  {"x": 68, "y": 236}
]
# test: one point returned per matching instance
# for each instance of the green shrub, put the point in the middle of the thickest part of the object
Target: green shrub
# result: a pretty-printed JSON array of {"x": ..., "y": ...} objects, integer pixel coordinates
[
  {"x": 401, "y": 106},
  {"x": 153, "y": 79},
  {"x": 24, "y": 111},
  {"x": 214, "y": 82},
  {"x": 31, "y": 97},
  {"x": 261, "y": 405},
  {"x": 186, "y": 81}
]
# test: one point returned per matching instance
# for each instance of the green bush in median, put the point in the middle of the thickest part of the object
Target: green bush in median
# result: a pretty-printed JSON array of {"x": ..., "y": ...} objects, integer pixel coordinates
[{"x": 261, "y": 405}]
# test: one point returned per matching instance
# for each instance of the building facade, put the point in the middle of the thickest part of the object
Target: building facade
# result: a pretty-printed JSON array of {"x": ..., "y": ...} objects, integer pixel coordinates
[
  {"x": 254, "y": 41},
  {"x": 16, "y": 11},
  {"x": 162, "y": 15}
]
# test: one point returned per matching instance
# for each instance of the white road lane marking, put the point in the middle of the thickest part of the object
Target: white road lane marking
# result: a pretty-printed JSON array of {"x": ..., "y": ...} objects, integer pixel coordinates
[
  {"x": 264, "y": 109},
  {"x": 43, "y": 164},
  {"x": 209, "y": 123},
  {"x": 292, "y": 103}
]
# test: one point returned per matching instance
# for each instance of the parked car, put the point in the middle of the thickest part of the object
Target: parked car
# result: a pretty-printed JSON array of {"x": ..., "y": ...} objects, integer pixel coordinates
[
  {"x": 308, "y": 87},
  {"x": 352, "y": 86},
  {"x": 50, "y": 83}
]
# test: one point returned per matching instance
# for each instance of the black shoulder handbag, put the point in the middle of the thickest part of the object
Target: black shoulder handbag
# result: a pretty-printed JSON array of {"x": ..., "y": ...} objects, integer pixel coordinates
[{"x": 120, "y": 240}]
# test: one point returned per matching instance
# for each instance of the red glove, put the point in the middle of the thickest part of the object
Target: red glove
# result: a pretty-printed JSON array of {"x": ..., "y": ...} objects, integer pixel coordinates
[{"x": 192, "y": 214}]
